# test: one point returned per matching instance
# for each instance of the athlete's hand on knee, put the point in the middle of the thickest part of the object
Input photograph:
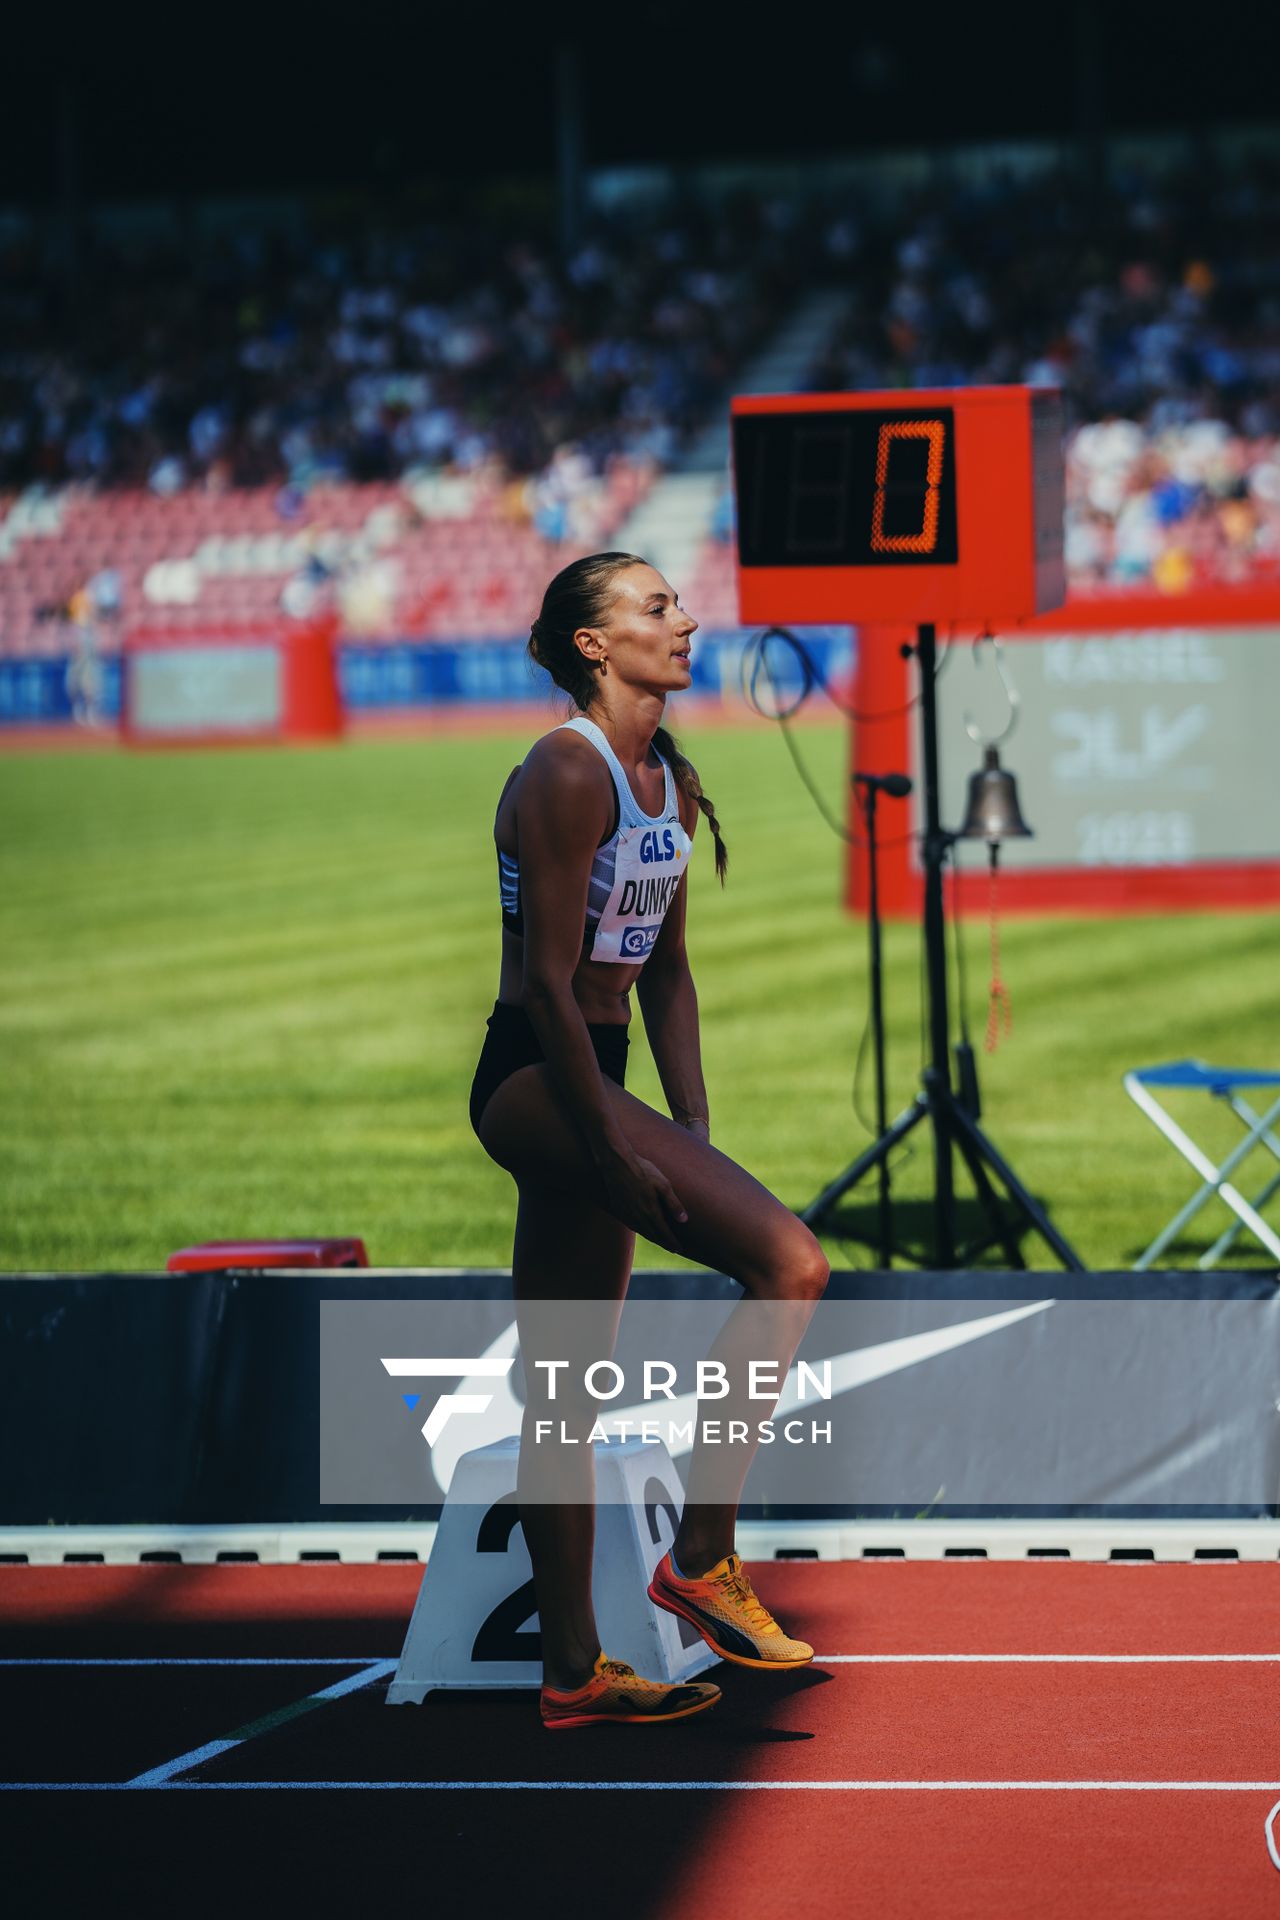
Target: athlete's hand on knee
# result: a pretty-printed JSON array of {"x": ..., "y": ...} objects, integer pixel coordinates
[{"x": 640, "y": 1193}]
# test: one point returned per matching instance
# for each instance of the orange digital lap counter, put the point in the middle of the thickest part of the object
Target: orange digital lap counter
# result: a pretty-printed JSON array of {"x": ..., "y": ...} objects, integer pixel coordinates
[{"x": 940, "y": 506}]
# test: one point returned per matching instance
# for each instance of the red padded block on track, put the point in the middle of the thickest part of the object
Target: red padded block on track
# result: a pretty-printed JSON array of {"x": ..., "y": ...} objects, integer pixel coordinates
[{"x": 215, "y": 1255}]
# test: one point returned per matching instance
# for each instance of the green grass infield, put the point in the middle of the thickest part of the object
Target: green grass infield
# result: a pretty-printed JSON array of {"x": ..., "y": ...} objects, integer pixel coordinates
[{"x": 244, "y": 992}]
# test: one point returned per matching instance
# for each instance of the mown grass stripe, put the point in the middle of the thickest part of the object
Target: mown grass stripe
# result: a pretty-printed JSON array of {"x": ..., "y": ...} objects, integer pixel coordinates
[{"x": 244, "y": 992}]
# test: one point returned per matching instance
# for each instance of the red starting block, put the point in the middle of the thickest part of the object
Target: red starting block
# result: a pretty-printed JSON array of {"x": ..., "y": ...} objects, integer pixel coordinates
[{"x": 218, "y": 1254}]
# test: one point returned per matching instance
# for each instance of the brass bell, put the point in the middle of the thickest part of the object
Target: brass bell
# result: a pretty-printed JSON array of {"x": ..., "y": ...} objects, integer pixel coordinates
[{"x": 993, "y": 813}]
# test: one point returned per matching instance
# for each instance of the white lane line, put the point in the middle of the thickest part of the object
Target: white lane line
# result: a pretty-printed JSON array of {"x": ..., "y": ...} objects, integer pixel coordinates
[
  {"x": 199, "y": 1660},
  {"x": 1270, "y": 1831},
  {"x": 819, "y": 1659},
  {"x": 649, "y": 1786},
  {"x": 1031, "y": 1659},
  {"x": 161, "y": 1776}
]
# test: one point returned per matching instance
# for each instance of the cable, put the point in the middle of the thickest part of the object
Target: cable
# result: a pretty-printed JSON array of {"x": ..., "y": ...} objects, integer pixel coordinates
[
  {"x": 812, "y": 677},
  {"x": 754, "y": 661},
  {"x": 837, "y": 826}
]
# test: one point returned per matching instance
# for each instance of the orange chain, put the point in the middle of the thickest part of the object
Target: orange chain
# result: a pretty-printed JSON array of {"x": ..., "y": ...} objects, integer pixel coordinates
[{"x": 999, "y": 1004}]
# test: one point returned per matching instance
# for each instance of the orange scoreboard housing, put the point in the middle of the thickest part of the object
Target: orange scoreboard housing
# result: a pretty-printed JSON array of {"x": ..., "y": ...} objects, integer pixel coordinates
[{"x": 928, "y": 506}]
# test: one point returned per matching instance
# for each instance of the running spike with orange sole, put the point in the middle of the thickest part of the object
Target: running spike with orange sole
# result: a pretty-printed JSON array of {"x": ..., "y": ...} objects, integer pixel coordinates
[
  {"x": 616, "y": 1692},
  {"x": 727, "y": 1612}
]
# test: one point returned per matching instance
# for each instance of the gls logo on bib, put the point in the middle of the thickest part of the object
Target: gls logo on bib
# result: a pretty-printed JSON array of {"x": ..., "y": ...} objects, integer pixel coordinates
[
  {"x": 636, "y": 941},
  {"x": 657, "y": 846}
]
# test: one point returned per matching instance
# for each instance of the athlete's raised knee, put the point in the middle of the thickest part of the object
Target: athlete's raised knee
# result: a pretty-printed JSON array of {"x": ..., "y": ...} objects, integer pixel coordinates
[{"x": 796, "y": 1269}]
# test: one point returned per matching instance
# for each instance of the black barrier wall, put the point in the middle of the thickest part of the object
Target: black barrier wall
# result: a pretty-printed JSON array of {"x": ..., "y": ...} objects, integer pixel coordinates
[{"x": 194, "y": 1399}]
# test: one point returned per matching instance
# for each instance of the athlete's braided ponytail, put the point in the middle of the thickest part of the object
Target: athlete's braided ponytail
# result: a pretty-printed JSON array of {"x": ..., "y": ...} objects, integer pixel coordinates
[
  {"x": 580, "y": 596},
  {"x": 686, "y": 778}
]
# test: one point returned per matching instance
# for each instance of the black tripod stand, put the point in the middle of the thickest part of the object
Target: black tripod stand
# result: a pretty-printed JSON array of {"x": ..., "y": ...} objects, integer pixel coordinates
[{"x": 952, "y": 1117}]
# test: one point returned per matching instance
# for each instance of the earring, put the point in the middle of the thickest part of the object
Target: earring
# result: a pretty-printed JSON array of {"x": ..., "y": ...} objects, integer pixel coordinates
[{"x": 604, "y": 666}]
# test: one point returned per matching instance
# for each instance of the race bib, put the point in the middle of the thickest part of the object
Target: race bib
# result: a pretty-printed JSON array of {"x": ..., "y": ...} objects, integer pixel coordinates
[{"x": 648, "y": 867}]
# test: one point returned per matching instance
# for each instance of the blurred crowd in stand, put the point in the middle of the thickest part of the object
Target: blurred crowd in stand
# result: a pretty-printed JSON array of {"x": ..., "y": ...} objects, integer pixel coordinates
[
  {"x": 453, "y": 348},
  {"x": 1153, "y": 307},
  {"x": 361, "y": 352}
]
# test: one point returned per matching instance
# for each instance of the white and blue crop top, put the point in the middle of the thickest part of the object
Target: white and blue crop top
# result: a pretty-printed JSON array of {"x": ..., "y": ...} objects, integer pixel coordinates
[{"x": 634, "y": 874}]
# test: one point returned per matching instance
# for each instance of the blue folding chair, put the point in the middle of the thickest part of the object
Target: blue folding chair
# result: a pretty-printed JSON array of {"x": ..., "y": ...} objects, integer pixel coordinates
[{"x": 1223, "y": 1083}]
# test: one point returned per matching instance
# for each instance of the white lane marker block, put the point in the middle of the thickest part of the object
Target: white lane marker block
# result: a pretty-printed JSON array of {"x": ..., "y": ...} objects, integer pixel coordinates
[{"x": 475, "y": 1622}]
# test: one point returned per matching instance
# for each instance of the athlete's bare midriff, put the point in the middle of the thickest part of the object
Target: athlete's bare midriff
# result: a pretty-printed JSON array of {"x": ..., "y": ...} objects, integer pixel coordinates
[{"x": 600, "y": 987}]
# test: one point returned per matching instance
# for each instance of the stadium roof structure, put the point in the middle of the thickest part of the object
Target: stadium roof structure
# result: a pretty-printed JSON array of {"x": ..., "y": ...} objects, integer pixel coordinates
[{"x": 245, "y": 102}]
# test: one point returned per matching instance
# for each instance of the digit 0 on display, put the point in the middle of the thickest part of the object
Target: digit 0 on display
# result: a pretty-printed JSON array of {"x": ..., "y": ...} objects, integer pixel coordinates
[
  {"x": 930, "y": 506},
  {"x": 912, "y": 497}
]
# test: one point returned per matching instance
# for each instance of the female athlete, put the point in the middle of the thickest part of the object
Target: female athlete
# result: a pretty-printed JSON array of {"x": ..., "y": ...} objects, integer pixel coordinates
[{"x": 594, "y": 831}]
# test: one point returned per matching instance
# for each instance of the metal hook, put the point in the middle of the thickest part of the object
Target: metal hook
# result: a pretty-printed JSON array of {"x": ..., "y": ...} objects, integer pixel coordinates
[{"x": 1011, "y": 694}]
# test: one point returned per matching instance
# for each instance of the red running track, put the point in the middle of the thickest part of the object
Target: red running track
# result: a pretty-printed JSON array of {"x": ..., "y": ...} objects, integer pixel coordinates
[{"x": 795, "y": 1784}]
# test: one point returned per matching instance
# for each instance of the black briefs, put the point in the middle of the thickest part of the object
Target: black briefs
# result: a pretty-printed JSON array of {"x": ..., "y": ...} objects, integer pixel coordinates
[{"x": 511, "y": 1042}]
